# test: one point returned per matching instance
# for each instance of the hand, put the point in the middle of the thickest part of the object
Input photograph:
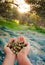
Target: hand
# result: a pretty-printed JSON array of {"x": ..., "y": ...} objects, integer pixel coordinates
[
  {"x": 7, "y": 49},
  {"x": 26, "y": 49},
  {"x": 10, "y": 57}
]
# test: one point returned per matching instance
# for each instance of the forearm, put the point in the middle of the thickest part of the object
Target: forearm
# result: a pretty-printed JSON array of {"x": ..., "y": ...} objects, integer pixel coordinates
[
  {"x": 23, "y": 60},
  {"x": 9, "y": 60}
]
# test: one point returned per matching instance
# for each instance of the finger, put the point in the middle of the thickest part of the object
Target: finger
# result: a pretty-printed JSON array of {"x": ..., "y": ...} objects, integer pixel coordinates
[
  {"x": 27, "y": 44},
  {"x": 12, "y": 40},
  {"x": 21, "y": 38},
  {"x": 6, "y": 45},
  {"x": 6, "y": 48},
  {"x": 27, "y": 48}
]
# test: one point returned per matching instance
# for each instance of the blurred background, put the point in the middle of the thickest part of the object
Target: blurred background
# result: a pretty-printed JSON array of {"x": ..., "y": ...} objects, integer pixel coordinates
[
  {"x": 24, "y": 18},
  {"x": 23, "y": 14}
]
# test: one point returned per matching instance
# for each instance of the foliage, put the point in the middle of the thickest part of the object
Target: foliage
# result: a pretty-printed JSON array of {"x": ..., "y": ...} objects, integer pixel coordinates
[
  {"x": 38, "y": 6},
  {"x": 36, "y": 28},
  {"x": 36, "y": 15},
  {"x": 11, "y": 24}
]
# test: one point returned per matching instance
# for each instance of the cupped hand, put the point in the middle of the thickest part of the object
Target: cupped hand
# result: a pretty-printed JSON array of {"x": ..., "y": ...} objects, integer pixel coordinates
[
  {"x": 23, "y": 51},
  {"x": 26, "y": 49},
  {"x": 8, "y": 50}
]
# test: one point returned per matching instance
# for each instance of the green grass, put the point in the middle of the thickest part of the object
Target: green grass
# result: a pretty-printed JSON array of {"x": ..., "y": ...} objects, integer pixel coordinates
[
  {"x": 36, "y": 29},
  {"x": 12, "y": 25}
]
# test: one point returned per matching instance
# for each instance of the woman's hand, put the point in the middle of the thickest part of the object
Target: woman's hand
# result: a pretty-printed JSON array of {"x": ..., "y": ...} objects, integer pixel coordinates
[
  {"x": 22, "y": 55},
  {"x": 8, "y": 50},
  {"x": 26, "y": 49},
  {"x": 10, "y": 56}
]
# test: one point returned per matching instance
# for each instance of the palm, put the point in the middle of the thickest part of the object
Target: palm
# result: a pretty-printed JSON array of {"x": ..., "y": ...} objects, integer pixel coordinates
[
  {"x": 7, "y": 49},
  {"x": 25, "y": 50}
]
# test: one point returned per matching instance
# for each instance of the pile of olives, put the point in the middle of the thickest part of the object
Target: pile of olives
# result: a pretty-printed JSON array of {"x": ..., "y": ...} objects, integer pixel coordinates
[{"x": 16, "y": 47}]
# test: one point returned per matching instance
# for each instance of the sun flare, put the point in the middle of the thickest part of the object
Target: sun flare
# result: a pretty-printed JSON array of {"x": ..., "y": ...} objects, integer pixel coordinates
[{"x": 22, "y": 6}]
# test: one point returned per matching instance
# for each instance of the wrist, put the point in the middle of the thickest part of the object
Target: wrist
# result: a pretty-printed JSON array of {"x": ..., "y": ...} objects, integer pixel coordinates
[
  {"x": 19, "y": 56},
  {"x": 10, "y": 55}
]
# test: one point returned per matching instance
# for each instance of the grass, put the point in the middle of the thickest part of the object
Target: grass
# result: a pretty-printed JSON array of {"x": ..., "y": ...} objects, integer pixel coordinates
[
  {"x": 37, "y": 29},
  {"x": 12, "y": 25}
]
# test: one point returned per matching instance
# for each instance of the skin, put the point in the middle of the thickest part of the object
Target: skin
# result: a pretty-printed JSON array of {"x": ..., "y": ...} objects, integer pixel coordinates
[
  {"x": 10, "y": 57},
  {"x": 22, "y": 55}
]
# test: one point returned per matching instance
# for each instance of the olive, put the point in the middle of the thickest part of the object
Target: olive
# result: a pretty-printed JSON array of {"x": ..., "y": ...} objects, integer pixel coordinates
[
  {"x": 13, "y": 51},
  {"x": 15, "y": 48}
]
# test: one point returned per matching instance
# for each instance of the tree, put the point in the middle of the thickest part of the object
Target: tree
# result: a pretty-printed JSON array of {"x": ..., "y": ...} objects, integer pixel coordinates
[{"x": 38, "y": 6}]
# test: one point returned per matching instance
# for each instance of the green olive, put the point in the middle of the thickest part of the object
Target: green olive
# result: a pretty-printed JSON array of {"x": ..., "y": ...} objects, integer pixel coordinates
[{"x": 15, "y": 48}]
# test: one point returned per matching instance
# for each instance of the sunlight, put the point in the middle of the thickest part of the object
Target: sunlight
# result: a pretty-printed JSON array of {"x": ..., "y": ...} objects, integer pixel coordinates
[
  {"x": 19, "y": 2},
  {"x": 16, "y": 21},
  {"x": 22, "y": 6}
]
